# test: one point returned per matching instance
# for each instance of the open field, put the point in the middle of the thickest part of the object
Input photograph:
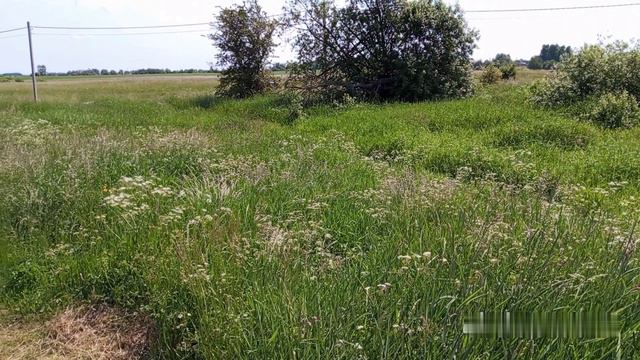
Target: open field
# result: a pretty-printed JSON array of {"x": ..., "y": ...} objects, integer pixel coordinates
[
  {"x": 365, "y": 231},
  {"x": 73, "y": 89}
]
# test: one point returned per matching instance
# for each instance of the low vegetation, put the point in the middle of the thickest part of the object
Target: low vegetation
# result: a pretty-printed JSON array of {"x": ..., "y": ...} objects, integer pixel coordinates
[
  {"x": 600, "y": 83},
  {"x": 490, "y": 75},
  {"x": 500, "y": 68},
  {"x": 362, "y": 231},
  {"x": 83, "y": 332}
]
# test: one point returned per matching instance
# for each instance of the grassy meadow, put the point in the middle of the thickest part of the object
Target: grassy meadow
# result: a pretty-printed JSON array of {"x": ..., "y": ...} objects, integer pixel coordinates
[{"x": 355, "y": 232}]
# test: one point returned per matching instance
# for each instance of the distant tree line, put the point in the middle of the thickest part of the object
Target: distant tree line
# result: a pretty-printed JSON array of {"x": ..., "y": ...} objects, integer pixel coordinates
[
  {"x": 278, "y": 66},
  {"x": 549, "y": 56},
  {"x": 500, "y": 60},
  {"x": 42, "y": 71}
]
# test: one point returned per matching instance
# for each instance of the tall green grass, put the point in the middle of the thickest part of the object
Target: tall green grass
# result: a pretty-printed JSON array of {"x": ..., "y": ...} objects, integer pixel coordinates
[{"x": 363, "y": 232}]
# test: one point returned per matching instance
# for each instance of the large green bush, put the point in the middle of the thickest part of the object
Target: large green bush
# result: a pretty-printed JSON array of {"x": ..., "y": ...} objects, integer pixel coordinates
[
  {"x": 490, "y": 75},
  {"x": 381, "y": 50},
  {"x": 508, "y": 71},
  {"x": 615, "y": 110},
  {"x": 601, "y": 82}
]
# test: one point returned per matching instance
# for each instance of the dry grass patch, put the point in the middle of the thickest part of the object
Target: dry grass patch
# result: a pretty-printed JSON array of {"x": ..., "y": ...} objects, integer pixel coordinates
[
  {"x": 84, "y": 332},
  {"x": 20, "y": 341}
]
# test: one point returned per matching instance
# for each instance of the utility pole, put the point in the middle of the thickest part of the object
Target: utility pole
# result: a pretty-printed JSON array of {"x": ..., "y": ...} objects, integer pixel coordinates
[{"x": 33, "y": 70}]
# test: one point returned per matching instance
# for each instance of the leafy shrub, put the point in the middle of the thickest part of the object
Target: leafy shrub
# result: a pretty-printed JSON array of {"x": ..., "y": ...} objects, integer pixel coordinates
[
  {"x": 508, "y": 71},
  {"x": 552, "y": 92},
  {"x": 490, "y": 75},
  {"x": 4, "y": 79},
  {"x": 291, "y": 106},
  {"x": 599, "y": 72},
  {"x": 425, "y": 51},
  {"x": 23, "y": 277},
  {"x": 615, "y": 110},
  {"x": 244, "y": 35},
  {"x": 18, "y": 80}
]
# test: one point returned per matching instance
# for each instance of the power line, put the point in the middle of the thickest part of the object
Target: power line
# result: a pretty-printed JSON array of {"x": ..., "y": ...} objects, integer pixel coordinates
[
  {"x": 119, "y": 27},
  {"x": 121, "y": 34},
  {"x": 276, "y": 15},
  {"x": 10, "y": 30},
  {"x": 555, "y": 8},
  {"x": 128, "y": 27}
]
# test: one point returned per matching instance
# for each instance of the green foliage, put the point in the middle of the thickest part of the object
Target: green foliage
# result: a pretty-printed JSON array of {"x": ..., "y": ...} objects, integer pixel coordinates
[
  {"x": 244, "y": 37},
  {"x": 501, "y": 67},
  {"x": 502, "y": 60},
  {"x": 615, "y": 110},
  {"x": 553, "y": 91},
  {"x": 22, "y": 278},
  {"x": 593, "y": 72},
  {"x": 549, "y": 56},
  {"x": 243, "y": 235},
  {"x": 508, "y": 71},
  {"x": 291, "y": 105},
  {"x": 490, "y": 75},
  {"x": 381, "y": 50},
  {"x": 548, "y": 133},
  {"x": 536, "y": 63},
  {"x": 554, "y": 52}
]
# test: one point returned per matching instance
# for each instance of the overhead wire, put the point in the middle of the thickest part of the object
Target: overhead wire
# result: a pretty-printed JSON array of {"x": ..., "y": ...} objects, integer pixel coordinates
[
  {"x": 14, "y": 29},
  {"x": 119, "y": 27},
  {"x": 127, "y": 27},
  {"x": 565, "y": 8},
  {"x": 168, "y": 26},
  {"x": 121, "y": 34}
]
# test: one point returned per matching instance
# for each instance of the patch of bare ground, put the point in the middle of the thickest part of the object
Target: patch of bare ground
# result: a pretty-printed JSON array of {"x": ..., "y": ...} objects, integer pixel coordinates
[{"x": 81, "y": 332}]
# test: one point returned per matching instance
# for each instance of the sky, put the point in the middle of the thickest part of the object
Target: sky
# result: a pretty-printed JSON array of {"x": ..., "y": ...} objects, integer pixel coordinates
[{"x": 519, "y": 34}]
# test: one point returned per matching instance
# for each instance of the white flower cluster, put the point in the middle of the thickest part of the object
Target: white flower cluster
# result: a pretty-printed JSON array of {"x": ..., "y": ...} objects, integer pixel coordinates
[{"x": 132, "y": 194}]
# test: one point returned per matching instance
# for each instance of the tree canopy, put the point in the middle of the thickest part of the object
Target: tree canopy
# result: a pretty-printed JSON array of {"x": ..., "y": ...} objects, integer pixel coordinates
[
  {"x": 549, "y": 56},
  {"x": 382, "y": 49},
  {"x": 554, "y": 52},
  {"x": 244, "y": 37},
  {"x": 502, "y": 60}
]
